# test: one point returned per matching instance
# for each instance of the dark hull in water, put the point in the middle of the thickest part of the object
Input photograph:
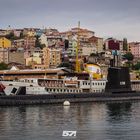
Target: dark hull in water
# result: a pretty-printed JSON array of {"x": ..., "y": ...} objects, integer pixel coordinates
[
  {"x": 72, "y": 98},
  {"x": 118, "y": 88}
]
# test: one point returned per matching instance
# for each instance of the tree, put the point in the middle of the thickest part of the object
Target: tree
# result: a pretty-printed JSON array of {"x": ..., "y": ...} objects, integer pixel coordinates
[
  {"x": 38, "y": 44},
  {"x": 94, "y": 55},
  {"x": 64, "y": 64},
  {"x": 129, "y": 56},
  {"x": 3, "y": 66},
  {"x": 10, "y": 36},
  {"x": 22, "y": 35},
  {"x": 137, "y": 66},
  {"x": 68, "y": 65},
  {"x": 125, "y": 45}
]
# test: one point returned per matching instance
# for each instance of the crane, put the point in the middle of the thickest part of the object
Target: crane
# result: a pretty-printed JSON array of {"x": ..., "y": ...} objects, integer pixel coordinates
[{"x": 77, "y": 67}]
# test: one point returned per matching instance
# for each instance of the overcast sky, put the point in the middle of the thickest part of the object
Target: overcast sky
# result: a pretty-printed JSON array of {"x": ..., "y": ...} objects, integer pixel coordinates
[{"x": 108, "y": 18}]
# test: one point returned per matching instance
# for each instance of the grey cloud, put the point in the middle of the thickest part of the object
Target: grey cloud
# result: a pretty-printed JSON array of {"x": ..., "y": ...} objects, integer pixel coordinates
[{"x": 64, "y": 14}]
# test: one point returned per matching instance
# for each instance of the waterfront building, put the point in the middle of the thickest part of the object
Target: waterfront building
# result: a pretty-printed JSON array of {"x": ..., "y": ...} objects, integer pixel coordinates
[
  {"x": 30, "y": 73},
  {"x": 5, "y": 43}
]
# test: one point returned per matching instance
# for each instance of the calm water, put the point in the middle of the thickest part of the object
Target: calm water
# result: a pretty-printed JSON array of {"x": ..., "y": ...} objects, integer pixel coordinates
[{"x": 92, "y": 121}]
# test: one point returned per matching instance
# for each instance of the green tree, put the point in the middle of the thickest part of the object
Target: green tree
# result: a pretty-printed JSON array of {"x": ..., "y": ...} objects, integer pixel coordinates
[
  {"x": 22, "y": 35},
  {"x": 94, "y": 55},
  {"x": 125, "y": 45},
  {"x": 10, "y": 36},
  {"x": 137, "y": 66},
  {"x": 65, "y": 64},
  {"x": 3, "y": 66},
  {"x": 68, "y": 65},
  {"x": 38, "y": 44},
  {"x": 129, "y": 56}
]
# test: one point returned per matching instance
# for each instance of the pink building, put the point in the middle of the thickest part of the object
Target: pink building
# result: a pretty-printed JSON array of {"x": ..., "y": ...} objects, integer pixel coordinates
[{"x": 134, "y": 47}]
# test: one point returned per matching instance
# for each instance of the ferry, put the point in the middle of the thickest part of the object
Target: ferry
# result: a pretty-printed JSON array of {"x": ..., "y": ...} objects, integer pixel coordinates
[
  {"x": 35, "y": 86},
  {"x": 70, "y": 84},
  {"x": 117, "y": 87}
]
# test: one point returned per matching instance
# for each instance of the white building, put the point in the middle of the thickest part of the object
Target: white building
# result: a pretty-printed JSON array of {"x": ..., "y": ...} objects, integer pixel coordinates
[{"x": 43, "y": 40}]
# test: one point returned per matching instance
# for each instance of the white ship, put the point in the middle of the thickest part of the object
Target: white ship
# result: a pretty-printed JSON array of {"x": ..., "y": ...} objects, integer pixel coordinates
[{"x": 48, "y": 86}]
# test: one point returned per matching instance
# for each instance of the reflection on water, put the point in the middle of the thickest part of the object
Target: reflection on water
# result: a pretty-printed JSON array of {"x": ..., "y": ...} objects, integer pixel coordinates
[
  {"x": 90, "y": 120},
  {"x": 118, "y": 111}
]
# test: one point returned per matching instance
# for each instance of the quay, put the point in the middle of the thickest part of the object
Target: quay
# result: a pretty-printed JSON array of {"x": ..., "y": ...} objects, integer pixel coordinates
[{"x": 72, "y": 98}]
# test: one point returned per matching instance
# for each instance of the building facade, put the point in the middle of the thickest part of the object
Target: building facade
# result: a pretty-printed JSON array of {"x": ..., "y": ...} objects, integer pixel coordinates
[
  {"x": 5, "y": 43},
  {"x": 4, "y": 55},
  {"x": 16, "y": 57},
  {"x": 51, "y": 57},
  {"x": 29, "y": 42},
  {"x": 134, "y": 48}
]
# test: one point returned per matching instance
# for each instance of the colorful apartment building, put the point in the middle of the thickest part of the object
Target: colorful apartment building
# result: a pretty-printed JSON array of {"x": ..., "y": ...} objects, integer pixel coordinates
[
  {"x": 5, "y": 43},
  {"x": 113, "y": 44},
  {"x": 19, "y": 43},
  {"x": 134, "y": 48},
  {"x": 4, "y": 55},
  {"x": 33, "y": 57},
  {"x": 30, "y": 32},
  {"x": 51, "y": 57},
  {"x": 97, "y": 42},
  {"x": 29, "y": 42}
]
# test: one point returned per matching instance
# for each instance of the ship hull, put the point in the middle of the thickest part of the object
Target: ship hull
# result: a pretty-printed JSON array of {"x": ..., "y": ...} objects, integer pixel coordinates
[{"x": 72, "y": 98}]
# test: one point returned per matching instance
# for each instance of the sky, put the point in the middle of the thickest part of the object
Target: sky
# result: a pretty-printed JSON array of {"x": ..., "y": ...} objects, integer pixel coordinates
[{"x": 107, "y": 18}]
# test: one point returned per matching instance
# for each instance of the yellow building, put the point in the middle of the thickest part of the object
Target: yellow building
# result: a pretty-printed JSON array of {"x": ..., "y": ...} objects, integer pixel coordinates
[
  {"x": 34, "y": 60},
  {"x": 5, "y": 43},
  {"x": 31, "y": 61}
]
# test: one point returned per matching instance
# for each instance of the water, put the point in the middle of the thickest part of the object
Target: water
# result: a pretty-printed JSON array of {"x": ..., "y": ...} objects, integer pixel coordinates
[{"x": 92, "y": 121}]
